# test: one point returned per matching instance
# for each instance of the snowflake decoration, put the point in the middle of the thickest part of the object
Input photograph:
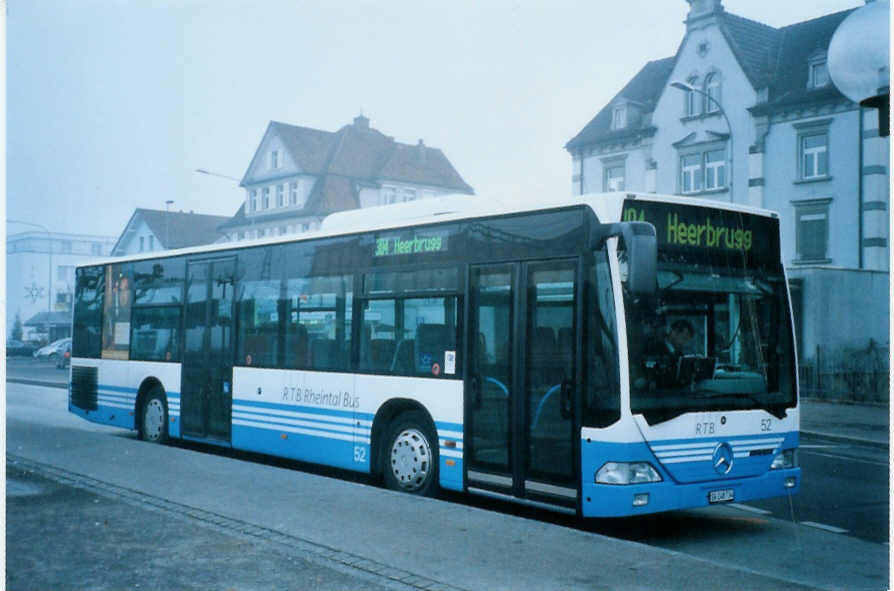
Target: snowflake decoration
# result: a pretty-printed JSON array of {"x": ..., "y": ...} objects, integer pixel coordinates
[{"x": 33, "y": 293}]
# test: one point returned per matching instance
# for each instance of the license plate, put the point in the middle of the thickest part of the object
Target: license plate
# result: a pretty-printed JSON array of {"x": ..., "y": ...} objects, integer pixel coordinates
[{"x": 721, "y": 496}]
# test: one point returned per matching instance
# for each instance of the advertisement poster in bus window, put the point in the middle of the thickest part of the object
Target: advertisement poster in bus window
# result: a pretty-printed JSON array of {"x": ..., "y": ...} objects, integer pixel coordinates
[{"x": 116, "y": 312}]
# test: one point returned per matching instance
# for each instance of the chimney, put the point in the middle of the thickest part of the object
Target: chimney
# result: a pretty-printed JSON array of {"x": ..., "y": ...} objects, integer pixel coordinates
[
  {"x": 361, "y": 122},
  {"x": 420, "y": 148},
  {"x": 700, "y": 10}
]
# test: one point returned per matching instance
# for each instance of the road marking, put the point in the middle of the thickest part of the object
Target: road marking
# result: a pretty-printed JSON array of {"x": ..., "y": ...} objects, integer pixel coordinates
[
  {"x": 823, "y": 526},
  {"x": 848, "y": 458},
  {"x": 750, "y": 509}
]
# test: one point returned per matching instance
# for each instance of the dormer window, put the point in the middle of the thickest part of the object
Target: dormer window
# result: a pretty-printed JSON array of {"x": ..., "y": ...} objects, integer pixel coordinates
[
  {"x": 819, "y": 74},
  {"x": 274, "y": 159},
  {"x": 619, "y": 117}
]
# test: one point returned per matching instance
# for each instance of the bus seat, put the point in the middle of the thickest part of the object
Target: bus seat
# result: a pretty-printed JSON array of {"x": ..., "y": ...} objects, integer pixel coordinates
[
  {"x": 322, "y": 353},
  {"x": 402, "y": 364},
  {"x": 296, "y": 347},
  {"x": 381, "y": 353},
  {"x": 431, "y": 342}
]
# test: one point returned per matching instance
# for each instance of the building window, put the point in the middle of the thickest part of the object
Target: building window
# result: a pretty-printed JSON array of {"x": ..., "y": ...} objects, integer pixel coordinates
[
  {"x": 274, "y": 159},
  {"x": 812, "y": 230},
  {"x": 151, "y": 242},
  {"x": 265, "y": 200},
  {"x": 66, "y": 246},
  {"x": 241, "y": 235},
  {"x": 691, "y": 173},
  {"x": 819, "y": 74},
  {"x": 254, "y": 200},
  {"x": 65, "y": 273},
  {"x": 408, "y": 194},
  {"x": 814, "y": 157},
  {"x": 142, "y": 243},
  {"x": 96, "y": 248},
  {"x": 712, "y": 91},
  {"x": 389, "y": 195},
  {"x": 293, "y": 193},
  {"x": 280, "y": 195},
  {"x": 715, "y": 170},
  {"x": 692, "y": 98},
  {"x": 613, "y": 178},
  {"x": 619, "y": 117}
]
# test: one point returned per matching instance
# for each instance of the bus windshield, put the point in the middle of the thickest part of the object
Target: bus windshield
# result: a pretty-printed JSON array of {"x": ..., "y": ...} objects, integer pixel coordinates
[{"x": 717, "y": 333}]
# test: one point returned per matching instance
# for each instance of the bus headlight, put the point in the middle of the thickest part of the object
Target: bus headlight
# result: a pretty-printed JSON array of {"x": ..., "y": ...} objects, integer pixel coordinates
[
  {"x": 626, "y": 473},
  {"x": 787, "y": 458}
]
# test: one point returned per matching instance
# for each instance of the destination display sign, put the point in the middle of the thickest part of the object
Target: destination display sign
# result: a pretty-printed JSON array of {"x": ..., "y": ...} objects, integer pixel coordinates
[
  {"x": 704, "y": 228},
  {"x": 410, "y": 244}
]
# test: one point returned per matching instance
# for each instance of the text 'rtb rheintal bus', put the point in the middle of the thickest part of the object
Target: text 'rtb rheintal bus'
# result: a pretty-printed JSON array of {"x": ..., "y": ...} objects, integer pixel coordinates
[{"x": 608, "y": 355}]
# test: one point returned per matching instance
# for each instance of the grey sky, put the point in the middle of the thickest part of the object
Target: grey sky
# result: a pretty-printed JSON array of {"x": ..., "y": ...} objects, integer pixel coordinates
[{"x": 112, "y": 105}]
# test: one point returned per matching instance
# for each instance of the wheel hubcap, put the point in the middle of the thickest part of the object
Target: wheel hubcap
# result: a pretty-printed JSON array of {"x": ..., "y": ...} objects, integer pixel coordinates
[
  {"x": 153, "y": 420},
  {"x": 411, "y": 459}
]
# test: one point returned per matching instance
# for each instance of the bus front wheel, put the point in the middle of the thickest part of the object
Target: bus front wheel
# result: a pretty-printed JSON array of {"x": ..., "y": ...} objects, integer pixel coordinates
[
  {"x": 411, "y": 455},
  {"x": 154, "y": 418}
]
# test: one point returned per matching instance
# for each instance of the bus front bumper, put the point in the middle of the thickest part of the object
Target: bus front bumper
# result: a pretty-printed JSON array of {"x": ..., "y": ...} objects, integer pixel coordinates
[{"x": 607, "y": 500}]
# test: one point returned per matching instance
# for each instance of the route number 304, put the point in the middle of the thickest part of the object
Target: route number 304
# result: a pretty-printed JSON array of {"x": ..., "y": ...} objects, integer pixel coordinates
[{"x": 359, "y": 454}]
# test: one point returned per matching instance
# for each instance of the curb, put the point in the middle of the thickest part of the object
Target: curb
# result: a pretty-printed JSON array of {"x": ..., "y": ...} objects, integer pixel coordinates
[{"x": 845, "y": 439}]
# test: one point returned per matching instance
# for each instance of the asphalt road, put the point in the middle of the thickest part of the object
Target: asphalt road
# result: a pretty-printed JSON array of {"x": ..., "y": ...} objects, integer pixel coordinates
[{"x": 732, "y": 547}]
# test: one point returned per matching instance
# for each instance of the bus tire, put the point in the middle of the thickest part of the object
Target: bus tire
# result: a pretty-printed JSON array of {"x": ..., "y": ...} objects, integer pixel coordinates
[
  {"x": 410, "y": 455},
  {"x": 154, "y": 417}
]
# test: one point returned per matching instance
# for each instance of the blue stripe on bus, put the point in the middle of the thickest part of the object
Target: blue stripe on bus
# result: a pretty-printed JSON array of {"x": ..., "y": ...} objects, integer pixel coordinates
[
  {"x": 445, "y": 426},
  {"x": 298, "y": 446},
  {"x": 272, "y": 421},
  {"x": 127, "y": 390},
  {"x": 349, "y": 414}
]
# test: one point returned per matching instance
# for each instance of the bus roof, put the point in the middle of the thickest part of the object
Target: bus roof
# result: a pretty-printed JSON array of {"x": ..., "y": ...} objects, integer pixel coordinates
[{"x": 607, "y": 207}]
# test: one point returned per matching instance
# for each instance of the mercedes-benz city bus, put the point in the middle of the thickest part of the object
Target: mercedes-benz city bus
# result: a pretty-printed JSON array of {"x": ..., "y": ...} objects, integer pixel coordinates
[{"x": 608, "y": 355}]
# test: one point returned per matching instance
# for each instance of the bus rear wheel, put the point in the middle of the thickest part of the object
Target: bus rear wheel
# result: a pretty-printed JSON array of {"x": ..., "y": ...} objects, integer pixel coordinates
[
  {"x": 410, "y": 457},
  {"x": 154, "y": 418}
]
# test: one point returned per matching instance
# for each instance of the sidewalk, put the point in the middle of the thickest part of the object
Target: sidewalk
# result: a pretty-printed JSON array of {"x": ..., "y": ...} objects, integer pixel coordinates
[{"x": 856, "y": 423}]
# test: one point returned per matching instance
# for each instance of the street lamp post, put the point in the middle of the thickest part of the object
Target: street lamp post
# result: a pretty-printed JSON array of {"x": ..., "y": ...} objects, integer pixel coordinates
[
  {"x": 49, "y": 265},
  {"x": 232, "y": 178},
  {"x": 689, "y": 88}
]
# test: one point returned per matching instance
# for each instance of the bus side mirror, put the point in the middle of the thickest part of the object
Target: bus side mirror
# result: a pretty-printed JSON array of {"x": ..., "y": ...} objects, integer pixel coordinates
[{"x": 641, "y": 245}]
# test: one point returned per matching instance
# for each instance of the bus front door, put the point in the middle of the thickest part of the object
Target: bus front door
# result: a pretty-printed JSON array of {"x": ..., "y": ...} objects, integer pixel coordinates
[
  {"x": 207, "y": 370},
  {"x": 520, "y": 390}
]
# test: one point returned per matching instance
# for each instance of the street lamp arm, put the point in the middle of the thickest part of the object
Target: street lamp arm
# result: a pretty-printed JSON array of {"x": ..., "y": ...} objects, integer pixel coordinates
[{"x": 689, "y": 88}]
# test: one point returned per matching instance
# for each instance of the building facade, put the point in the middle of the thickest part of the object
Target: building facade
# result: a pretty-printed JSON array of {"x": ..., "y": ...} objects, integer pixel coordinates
[
  {"x": 40, "y": 279},
  {"x": 300, "y": 175},
  {"x": 150, "y": 230},
  {"x": 747, "y": 113}
]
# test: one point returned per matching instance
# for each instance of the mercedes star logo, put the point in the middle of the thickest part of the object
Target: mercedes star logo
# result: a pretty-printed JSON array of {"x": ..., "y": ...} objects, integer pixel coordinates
[{"x": 723, "y": 458}]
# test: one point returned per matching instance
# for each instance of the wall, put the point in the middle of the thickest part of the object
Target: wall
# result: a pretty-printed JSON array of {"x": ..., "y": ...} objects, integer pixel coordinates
[
  {"x": 781, "y": 173},
  {"x": 842, "y": 307},
  {"x": 736, "y": 96}
]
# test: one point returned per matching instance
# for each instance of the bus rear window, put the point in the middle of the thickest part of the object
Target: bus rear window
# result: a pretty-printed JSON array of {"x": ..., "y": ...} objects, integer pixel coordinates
[{"x": 87, "y": 329}]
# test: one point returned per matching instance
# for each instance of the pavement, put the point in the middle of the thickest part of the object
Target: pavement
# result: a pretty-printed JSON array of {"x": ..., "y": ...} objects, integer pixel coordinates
[{"x": 865, "y": 424}]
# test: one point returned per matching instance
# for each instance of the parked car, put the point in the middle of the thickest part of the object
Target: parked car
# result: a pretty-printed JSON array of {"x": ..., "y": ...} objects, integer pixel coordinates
[
  {"x": 64, "y": 360},
  {"x": 18, "y": 348},
  {"x": 52, "y": 351}
]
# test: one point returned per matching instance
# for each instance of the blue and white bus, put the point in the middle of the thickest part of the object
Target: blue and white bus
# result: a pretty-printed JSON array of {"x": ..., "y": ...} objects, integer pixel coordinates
[{"x": 608, "y": 355}]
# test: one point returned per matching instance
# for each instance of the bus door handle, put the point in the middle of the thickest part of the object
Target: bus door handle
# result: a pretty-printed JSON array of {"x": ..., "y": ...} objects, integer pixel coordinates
[
  {"x": 475, "y": 391},
  {"x": 567, "y": 397}
]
